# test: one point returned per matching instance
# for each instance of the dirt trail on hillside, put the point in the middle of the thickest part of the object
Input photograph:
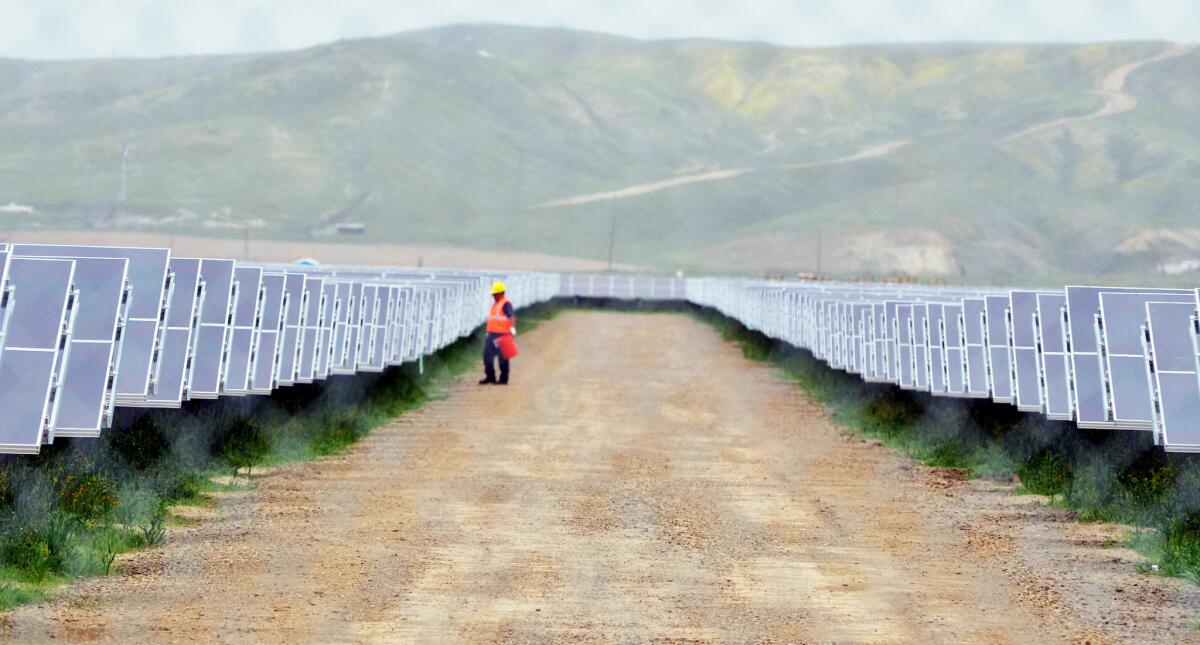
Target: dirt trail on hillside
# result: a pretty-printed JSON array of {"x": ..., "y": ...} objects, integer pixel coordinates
[
  {"x": 875, "y": 151},
  {"x": 1112, "y": 89},
  {"x": 638, "y": 481}
]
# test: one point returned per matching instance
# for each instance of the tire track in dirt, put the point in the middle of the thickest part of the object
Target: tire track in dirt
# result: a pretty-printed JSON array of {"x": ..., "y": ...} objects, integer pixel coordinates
[{"x": 638, "y": 481}]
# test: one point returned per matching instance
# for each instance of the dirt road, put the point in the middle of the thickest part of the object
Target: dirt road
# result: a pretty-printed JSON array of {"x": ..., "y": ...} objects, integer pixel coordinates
[
  {"x": 638, "y": 481},
  {"x": 1112, "y": 89}
]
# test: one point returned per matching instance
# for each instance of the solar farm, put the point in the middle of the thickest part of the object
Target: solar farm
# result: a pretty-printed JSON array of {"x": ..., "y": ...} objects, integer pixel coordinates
[{"x": 89, "y": 329}]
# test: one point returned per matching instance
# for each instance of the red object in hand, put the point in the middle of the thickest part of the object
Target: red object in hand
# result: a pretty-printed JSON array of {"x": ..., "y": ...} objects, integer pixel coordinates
[{"x": 507, "y": 346}]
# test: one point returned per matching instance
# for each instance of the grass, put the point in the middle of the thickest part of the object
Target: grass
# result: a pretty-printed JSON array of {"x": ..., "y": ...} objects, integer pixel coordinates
[
  {"x": 73, "y": 509},
  {"x": 14, "y": 593}
]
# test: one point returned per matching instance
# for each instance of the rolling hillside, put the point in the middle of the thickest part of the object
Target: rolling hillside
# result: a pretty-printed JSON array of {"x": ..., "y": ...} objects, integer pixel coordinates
[{"x": 940, "y": 160}]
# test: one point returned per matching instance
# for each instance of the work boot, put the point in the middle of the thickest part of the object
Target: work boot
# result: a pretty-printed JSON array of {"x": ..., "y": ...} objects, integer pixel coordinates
[
  {"x": 503, "y": 380},
  {"x": 488, "y": 381}
]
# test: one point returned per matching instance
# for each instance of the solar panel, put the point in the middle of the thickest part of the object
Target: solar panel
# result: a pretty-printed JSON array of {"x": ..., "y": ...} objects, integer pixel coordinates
[
  {"x": 1087, "y": 366},
  {"x": 1122, "y": 317},
  {"x": 358, "y": 302},
  {"x": 435, "y": 300},
  {"x": 1055, "y": 368},
  {"x": 84, "y": 402},
  {"x": 866, "y": 340},
  {"x": 1171, "y": 335},
  {"x": 819, "y": 341},
  {"x": 974, "y": 335},
  {"x": 443, "y": 324},
  {"x": 289, "y": 342},
  {"x": 860, "y": 317},
  {"x": 174, "y": 355},
  {"x": 937, "y": 348},
  {"x": 247, "y": 300},
  {"x": 837, "y": 341},
  {"x": 331, "y": 311},
  {"x": 835, "y": 315},
  {"x": 37, "y": 322},
  {"x": 876, "y": 333},
  {"x": 890, "y": 323},
  {"x": 417, "y": 323},
  {"x": 377, "y": 359},
  {"x": 404, "y": 314},
  {"x": 370, "y": 296},
  {"x": 341, "y": 331},
  {"x": 956, "y": 362},
  {"x": 999, "y": 350},
  {"x": 388, "y": 305},
  {"x": 422, "y": 326},
  {"x": 904, "y": 346},
  {"x": 395, "y": 354},
  {"x": 310, "y": 339},
  {"x": 212, "y": 332},
  {"x": 826, "y": 331},
  {"x": 845, "y": 318},
  {"x": 147, "y": 274},
  {"x": 1027, "y": 379},
  {"x": 920, "y": 346},
  {"x": 420, "y": 329},
  {"x": 270, "y": 326}
]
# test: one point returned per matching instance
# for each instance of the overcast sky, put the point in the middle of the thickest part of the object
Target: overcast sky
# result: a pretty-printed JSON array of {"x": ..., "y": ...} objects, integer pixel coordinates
[{"x": 97, "y": 28}]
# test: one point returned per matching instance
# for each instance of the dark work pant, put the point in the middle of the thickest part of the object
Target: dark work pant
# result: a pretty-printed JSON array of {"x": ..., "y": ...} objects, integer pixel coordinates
[{"x": 491, "y": 353}]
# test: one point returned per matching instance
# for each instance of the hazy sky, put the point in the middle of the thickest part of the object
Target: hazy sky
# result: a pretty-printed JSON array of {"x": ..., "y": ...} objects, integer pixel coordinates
[{"x": 92, "y": 28}]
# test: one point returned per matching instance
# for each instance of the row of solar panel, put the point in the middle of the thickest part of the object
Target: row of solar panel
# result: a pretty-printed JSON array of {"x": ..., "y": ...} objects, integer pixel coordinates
[
  {"x": 1115, "y": 358},
  {"x": 86, "y": 329},
  {"x": 622, "y": 286}
]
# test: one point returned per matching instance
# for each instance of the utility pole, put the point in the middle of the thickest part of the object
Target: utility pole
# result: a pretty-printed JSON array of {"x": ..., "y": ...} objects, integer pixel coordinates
[
  {"x": 123, "y": 193},
  {"x": 520, "y": 178},
  {"x": 818, "y": 251},
  {"x": 897, "y": 205},
  {"x": 245, "y": 241},
  {"x": 612, "y": 238}
]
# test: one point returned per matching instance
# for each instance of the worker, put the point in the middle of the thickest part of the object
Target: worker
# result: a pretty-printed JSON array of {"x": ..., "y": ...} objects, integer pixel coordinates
[{"x": 500, "y": 321}]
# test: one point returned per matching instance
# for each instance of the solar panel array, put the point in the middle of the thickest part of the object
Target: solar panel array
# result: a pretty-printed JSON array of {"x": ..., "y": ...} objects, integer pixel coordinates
[
  {"x": 1106, "y": 358},
  {"x": 86, "y": 329}
]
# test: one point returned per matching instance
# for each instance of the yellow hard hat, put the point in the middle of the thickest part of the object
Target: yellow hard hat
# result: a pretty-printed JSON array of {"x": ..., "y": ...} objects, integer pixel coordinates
[{"x": 497, "y": 287}]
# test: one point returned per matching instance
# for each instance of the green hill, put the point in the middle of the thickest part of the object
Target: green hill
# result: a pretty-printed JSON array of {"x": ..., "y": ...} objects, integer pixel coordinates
[{"x": 534, "y": 139}]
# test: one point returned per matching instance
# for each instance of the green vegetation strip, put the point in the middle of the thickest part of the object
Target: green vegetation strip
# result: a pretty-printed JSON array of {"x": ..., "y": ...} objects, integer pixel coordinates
[{"x": 71, "y": 510}]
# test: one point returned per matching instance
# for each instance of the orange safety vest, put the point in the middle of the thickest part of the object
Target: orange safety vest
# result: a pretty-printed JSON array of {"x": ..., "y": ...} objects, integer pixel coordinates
[{"x": 497, "y": 322}]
